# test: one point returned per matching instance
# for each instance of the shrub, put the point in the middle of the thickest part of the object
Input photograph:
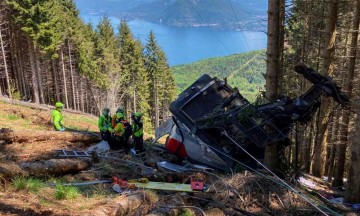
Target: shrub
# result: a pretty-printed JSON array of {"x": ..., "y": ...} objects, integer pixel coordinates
[{"x": 28, "y": 184}]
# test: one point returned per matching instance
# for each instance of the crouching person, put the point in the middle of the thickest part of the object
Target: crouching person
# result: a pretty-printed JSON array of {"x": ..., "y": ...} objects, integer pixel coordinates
[
  {"x": 57, "y": 117},
  {"x": 104, "y": 124},
  {"x": 138, "y": 133}
]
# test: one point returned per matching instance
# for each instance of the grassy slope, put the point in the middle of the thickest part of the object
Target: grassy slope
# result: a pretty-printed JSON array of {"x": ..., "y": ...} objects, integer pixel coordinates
[
  {"x": 244, "y": 71},
  {"x": 17, "y": 117}
]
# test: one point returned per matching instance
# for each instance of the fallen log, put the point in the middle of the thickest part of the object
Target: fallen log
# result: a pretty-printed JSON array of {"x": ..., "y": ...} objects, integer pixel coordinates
[
  {"x": 39, "y": 136},
  {"x": 42, "y": 168}
]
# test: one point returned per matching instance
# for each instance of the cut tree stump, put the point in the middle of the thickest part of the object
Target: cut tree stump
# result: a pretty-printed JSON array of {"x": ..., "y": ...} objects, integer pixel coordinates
[
  {"x": 42, "y": 168},
  {"x": 39, "y": 136}
]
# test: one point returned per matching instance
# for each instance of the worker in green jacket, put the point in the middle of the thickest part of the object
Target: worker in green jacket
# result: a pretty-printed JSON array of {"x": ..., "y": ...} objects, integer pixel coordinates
[
  {"x": 138, "y": 134},
  {"x": 104, "y": 124},
  {"x": 57, "y": 117}
]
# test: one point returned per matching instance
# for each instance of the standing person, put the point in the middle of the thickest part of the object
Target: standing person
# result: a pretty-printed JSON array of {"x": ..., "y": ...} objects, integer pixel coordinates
[
  {"x": 138, "y": 134},
  {"x": 104, "y": 124},
  {"x": 119, "y": 130},
  {"x": 57, "y": 117}
]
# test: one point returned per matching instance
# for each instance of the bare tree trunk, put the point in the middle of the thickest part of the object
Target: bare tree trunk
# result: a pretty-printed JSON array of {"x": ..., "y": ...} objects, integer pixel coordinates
[
  {"x": 273, "y": 71},
  {"x": 64, "y": 77},
  {"x": 19, "y": 50},
  {"x": 329, "y": 50},
  {"x": 39, "y": 75},
  {"x": 348, "y": 88},
  {"x": 55, "y": 80},
  {"x": 5, "y": 64},
  {"x": 352, "y": 194},
  {"x": 82, "y": 95},
  {"x": 72, "y": 77},
  {"x": 33, "y": 73},
  {"x": 156, "y": 107}
]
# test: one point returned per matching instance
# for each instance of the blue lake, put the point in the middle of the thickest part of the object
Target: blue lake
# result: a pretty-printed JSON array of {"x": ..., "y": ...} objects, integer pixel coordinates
[{"x": 187, "y": 45}]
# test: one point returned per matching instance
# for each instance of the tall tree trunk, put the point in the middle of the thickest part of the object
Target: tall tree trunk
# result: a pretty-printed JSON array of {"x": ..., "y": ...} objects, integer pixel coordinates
[
  {"x": 39, "y": 75},
  {"x": 64, "y": 77},
  {"x": 55, "y": 80},
  {"x": 33, "y": 72},
  {"x": 5, "y": 64},
  {"x": 19, "y": 49},
  {"x": 348, "y": 88},
  {"x": 333, "y": 142},
  {"x": 318, "y": 165},
  {"x": 352, "y": 194},
  {"x": 82, "y": 103},
  {"x": 72, "y": 77},
  {"x": 273, "y": 71},
  {"x": 156, "y": 107}
]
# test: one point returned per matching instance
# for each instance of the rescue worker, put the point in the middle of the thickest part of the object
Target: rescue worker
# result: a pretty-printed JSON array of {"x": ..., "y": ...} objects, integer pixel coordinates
[
  {"x": 138, "y": 133},
  {"x": 119, "y": 130},
  {"x": 57, "y": 117},
  {"x": 104, "y": 124},
  {"x": 115, "y": 121},
  {"x": 115, "y": 117}
]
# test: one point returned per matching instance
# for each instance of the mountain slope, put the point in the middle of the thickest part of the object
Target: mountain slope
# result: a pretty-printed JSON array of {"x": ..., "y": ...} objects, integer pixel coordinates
[
  {"x": 219, "y": 14},
  {"x": 244, "y": 71}
]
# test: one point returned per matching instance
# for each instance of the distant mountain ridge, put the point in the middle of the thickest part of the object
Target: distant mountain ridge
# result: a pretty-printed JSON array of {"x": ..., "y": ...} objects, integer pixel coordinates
[{"x": 217, "y": 14}]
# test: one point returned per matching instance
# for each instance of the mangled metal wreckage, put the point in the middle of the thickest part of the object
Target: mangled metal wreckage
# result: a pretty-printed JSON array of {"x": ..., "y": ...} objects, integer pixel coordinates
[{"x": 213, "y": 124}]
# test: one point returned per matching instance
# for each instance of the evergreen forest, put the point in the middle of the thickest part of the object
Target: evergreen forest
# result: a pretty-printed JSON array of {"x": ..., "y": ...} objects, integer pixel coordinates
[{"x": 49, "y": 54}]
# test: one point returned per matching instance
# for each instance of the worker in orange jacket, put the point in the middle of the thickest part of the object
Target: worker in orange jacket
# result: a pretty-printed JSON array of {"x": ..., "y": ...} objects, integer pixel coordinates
[{"x": 119, "y": 132}]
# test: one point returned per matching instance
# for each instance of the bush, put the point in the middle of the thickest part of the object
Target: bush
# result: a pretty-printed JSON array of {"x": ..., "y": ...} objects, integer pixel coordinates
[
  {"x": 66, "y": 192},
  {"x": 28, "y": 184}
]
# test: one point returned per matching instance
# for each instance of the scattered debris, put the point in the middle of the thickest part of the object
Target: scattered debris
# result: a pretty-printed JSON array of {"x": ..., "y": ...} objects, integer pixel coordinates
[
  {"x": 144, "y": 183},
  {"x": 102, "y": 146},
  {"x": 82, "y": 183},
  {"x": 172, "y": 167}
]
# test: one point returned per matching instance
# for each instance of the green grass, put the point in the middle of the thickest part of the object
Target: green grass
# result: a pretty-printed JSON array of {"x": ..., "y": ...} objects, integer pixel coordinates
[
  {"x": 28, "y": 184},
  {"x": 66, "y": 192},
  {"x": 13, "y": 117},
  {"x": 186, "y": 212}
]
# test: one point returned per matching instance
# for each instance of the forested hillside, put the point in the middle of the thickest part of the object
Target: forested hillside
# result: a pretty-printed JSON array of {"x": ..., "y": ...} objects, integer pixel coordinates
[
  {"x": 244, "y": 71},
  {"x": 323, "y": 35},
  {"x": 48, "y": 54}
]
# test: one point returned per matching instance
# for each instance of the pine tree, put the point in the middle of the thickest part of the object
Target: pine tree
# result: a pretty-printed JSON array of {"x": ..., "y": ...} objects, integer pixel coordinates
[
  {"x": 134, "y": 79},
  {"x": 162, "y": 84},
  {"x": 106, "y": 52}
]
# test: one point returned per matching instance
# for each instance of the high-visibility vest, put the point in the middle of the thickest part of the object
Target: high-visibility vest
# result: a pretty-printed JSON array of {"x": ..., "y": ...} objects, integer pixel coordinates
[
  {"x": 104, "y": 123},
  {"x": 119, "y": 129},
  {"x": 138, "y": 130}
]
